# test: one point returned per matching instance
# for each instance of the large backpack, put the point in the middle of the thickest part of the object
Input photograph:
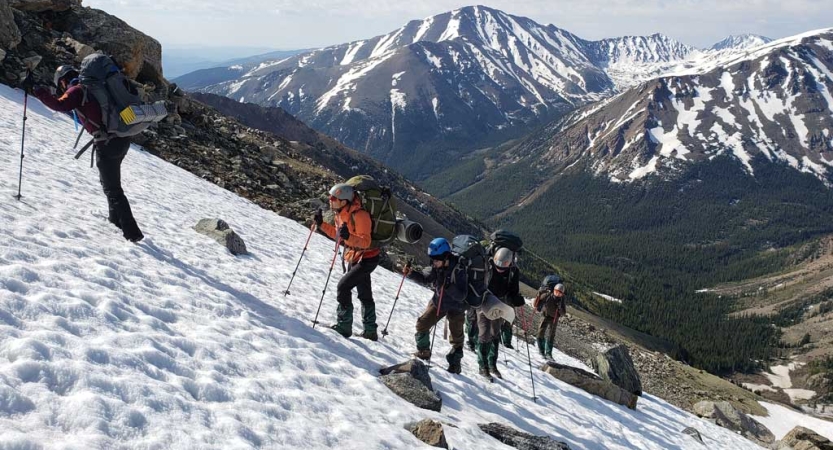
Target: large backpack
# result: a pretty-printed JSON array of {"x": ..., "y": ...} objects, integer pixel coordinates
[
  {"x": 505, "y": 239},
  {"x": 550, "y": 281},
  {"x": 472, "y": 258},
  {"x": 378, "y": 201},
  {"x": 123, "y": 113}
]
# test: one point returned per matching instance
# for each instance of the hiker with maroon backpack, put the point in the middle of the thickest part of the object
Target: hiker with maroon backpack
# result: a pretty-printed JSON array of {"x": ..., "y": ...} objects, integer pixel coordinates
[
  {"x": 110, "y": 107},
  {"x": 450, "y": 285},
  {"x": 551, "y": 302}
]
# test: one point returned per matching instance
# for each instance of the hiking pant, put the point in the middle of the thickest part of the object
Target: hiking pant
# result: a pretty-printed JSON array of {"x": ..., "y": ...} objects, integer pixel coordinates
[
  {"x": 506, "y": 334},
  {"x": 471, "y": 327},
  {"x": 108, "y": 158},
  {"x": 488, "y": 340},
  {"x": 456, "y": 338},
  {"x": 357, "y": 276},
  {"x": 546, "y": 334}
]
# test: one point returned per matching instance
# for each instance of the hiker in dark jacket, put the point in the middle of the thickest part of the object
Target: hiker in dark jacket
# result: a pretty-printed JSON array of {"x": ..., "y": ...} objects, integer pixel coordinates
[
  {"x": 109, "y": 152},
  {"x": 353, "y": 225},
  {"x": 552, "y": 305},
  {"x": 449, "y": 300},
  {"x": 504, "y": 283}
]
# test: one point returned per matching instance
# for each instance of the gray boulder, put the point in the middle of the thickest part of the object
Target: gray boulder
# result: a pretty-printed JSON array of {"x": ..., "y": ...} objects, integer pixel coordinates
[
  {"x": 521, "y": 440},
  {"x": 801, "y": 438},
  {"x": 429, "y": 431},
  {"x": 219, "y": 230},
  {"x": 694, "y": 434},
  {"x": 729, "y": 417},
  {"x": 139, "y": 55},
  {"x": 413, "y": 391},
  {"x": 616, "y": 366},
  {"x": 591, "y": 383},
  {"x": 415, "y": 368},
  {"x": 9, "y": 33}
]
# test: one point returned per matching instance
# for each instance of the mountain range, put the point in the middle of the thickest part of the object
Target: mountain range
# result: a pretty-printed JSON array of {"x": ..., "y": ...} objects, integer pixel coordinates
[{"x": 422, "y": 96}]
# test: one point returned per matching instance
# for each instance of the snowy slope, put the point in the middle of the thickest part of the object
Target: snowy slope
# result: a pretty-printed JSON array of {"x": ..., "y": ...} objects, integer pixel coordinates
[{"x": 174, "y": 343}]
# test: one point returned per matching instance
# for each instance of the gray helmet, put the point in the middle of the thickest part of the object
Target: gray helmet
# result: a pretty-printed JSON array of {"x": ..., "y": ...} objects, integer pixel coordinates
[
  {"x": 342, "y": 191},
  {"x": 62, "y": 72},
  {"x": 559, "y": 287},
  {"x": 504, "y": 258}
]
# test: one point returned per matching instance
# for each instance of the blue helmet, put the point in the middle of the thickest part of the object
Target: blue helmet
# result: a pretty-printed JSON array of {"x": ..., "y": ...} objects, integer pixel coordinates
[{"x": 438, "y": 247}]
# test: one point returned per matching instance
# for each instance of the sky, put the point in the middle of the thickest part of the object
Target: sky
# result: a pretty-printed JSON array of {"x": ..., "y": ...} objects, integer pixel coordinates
[{"x": 292, "y": 24}]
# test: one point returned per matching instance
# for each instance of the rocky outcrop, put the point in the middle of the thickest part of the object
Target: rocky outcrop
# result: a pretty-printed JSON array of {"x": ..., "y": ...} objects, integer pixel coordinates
[
  {"x": 801, "y": 438},
  {"x": 520, "y": 440},
  {"x": 9, "y": 33},
  {"x": 616, "y": 366},
  {"x": 590, "y": 383},
  {"x": 729, "y": 417},
  {"x": 139, "y": 55},
  {"x": 220, "y": 231},
  {"x": 410, "y": 380},
  {"x": 43, "y": 5},
  {"x": 429, "y": 431}
]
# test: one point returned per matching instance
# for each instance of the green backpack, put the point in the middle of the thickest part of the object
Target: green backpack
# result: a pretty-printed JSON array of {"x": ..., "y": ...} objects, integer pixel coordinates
[{"x": 378, "y": 201}]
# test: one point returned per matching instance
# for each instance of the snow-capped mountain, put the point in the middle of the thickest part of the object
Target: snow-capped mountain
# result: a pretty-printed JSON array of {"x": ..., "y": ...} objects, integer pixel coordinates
[
  {"x": 630, "y": 58},
  {"x": 741, "y": 42},
  {"x": 459, "y": 77},
  {"x": 174, "y": 343},
  {"x": 770, "y": 105}
]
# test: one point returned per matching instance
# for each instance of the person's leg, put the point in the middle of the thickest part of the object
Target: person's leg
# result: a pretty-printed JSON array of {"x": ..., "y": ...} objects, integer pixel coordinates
[
  {"x": 550, "y": 343},
  {"x": 365, "y": 294},
  {"x": 355, "y": 275},
  {"x": 456, "y": 324},
  {"x": 109, "y": 157},
  {"x": 424, "y": 324},
  {"x": 506, "y": 334},
  {"x": 471, "y": 327},
  {"x": 546, "y": 321}
]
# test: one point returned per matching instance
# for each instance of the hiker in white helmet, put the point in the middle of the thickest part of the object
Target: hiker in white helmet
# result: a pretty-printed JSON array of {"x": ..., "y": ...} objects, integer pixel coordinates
[{"x": 552, "y": 304}]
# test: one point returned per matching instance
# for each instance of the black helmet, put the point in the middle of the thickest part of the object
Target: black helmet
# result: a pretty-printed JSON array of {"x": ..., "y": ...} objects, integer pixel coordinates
[{"x": 65, "y": 71}]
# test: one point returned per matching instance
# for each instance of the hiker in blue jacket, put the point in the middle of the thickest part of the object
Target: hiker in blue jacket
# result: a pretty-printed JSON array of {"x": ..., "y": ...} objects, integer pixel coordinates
[{"x": 450, "y": 285}]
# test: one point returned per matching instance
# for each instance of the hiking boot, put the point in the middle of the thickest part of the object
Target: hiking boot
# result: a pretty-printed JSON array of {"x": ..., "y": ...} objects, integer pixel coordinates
[
  {"x": 509, "y": 345},
  {"x": 496, "y": 372},
  {"x": 472, "y": 346},
  {"x": 369, "y": 335},
  {"x": 135, "y": 238},
  {"x": 484, "y": 372},
  {"x": 455, "y": 368},
  {"x": 338, "y": 330},
  {"x": 424, "y": 355}
]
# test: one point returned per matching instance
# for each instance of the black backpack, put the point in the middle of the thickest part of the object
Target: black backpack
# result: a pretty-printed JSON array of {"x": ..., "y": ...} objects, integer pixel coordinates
[
  {"x": 472, "y": 258},
  {"x": 550, "y": 281},
  {"x": 505, "y": 239}
]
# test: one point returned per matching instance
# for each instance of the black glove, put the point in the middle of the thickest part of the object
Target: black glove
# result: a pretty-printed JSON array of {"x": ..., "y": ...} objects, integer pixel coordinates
[
  {"x": 343, "y": 232},
  {"x": 318, "y": 218}
]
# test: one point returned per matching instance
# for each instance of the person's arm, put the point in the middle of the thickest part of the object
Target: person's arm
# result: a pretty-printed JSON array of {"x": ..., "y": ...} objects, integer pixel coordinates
[
  {"x": 427, "y": 276},
  {"x": 328, "y": 229},
  {"x": 72, "y": 99},
  {"x": 514, "y": 291}
]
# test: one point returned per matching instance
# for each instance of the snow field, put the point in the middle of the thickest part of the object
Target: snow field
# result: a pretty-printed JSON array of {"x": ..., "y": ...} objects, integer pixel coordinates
[{"x": 175, "y": 343}]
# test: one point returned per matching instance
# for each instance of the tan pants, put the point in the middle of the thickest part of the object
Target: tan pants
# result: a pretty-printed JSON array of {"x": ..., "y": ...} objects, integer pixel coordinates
[{"x": 456, "y": 324}]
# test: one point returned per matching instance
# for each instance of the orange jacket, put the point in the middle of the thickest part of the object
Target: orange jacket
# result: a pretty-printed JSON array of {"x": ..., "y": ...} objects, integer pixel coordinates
[{"x": 360, "y": 226}]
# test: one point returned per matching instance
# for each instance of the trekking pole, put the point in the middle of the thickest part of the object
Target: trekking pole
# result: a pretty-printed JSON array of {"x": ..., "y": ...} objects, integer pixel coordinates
[
  {"x": 404, "y": 275},
  {"x": 529, "y": 360},
  {"x": 311, "y": 230},
  {"x": 434, "y": 337},
  {"x": 23, "y": 137},
  {"x": 332, "y": 264}
]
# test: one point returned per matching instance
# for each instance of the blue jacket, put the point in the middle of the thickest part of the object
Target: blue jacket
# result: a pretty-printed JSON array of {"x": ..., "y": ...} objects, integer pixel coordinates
[{"x": 453, "y": 284}]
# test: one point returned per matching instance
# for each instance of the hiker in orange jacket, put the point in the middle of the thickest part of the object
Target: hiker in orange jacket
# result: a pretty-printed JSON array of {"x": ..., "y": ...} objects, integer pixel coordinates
[{"x": 353, "y": 229}]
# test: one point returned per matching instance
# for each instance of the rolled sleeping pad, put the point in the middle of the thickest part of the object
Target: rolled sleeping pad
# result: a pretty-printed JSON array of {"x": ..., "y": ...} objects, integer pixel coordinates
[
  {"x": 495, "y": 309},
  {"x": 408, "y": 232}
]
